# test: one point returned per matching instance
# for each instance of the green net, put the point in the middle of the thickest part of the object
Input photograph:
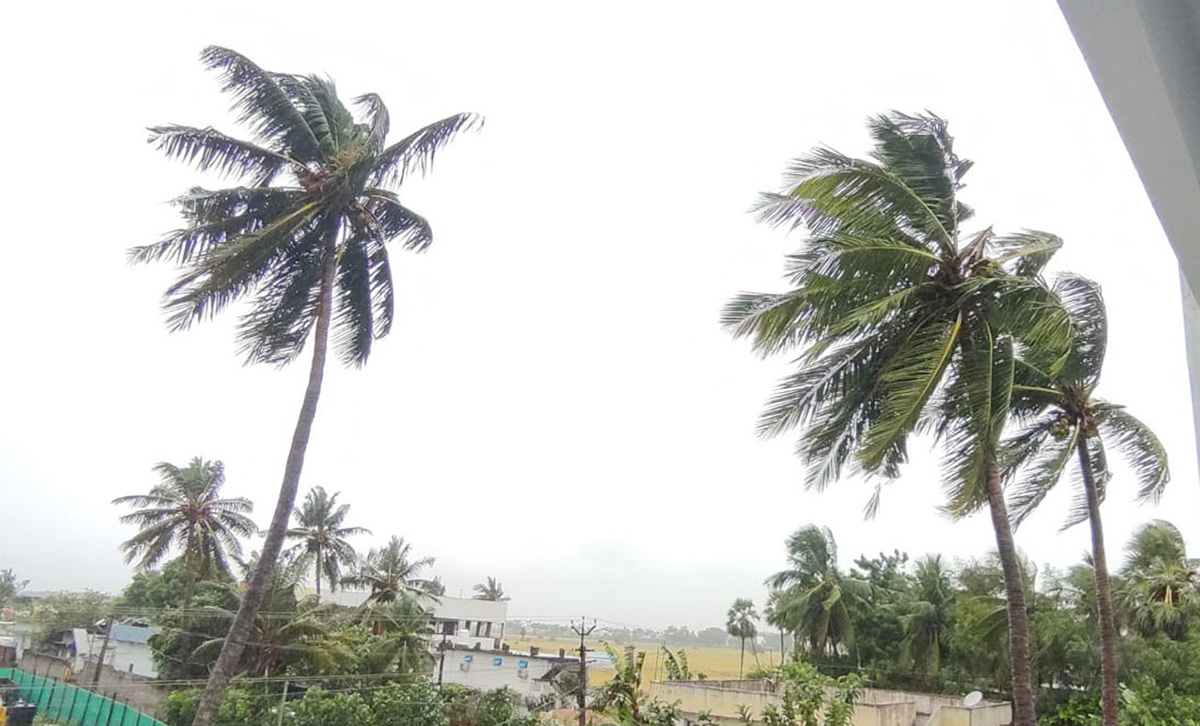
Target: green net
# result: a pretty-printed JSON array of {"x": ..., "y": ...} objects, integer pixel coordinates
[{"x": 71, "y": 705}]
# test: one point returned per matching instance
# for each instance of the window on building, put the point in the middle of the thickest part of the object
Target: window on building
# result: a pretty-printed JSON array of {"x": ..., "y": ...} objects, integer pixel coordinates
[{"x": 449, "y": 627}]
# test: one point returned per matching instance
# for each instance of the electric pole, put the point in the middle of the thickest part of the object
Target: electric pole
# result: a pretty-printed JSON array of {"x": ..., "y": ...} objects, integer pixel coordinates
[
  {"x": 103, "y": 647},
  {"x": 583, "y": 632},
  {"x": 441, "y": 659}
]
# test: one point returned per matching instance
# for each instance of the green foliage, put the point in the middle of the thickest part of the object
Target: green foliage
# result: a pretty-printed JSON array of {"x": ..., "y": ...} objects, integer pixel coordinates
[
  {"x": 321, "y": 534},
  {"x": 70, "y": 610},
  {"x": 815, "y": 601},
  {"x": 320, "y": 708},
  {"x": 10, "y": 587},
  {"x": 395, "y": 704},
  {"x": 809, "y": 698},
  {"x": 154, "y": 590},
  {"x": 676, "y": 665},
  {"x": 391, "y": 573}
]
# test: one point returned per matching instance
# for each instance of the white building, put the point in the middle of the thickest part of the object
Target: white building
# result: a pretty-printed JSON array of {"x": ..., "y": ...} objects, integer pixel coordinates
[
  {"x": 461, "y": 622},
  {"x": 1145, "y": 58},
  {"x": 527, "y": 675}
]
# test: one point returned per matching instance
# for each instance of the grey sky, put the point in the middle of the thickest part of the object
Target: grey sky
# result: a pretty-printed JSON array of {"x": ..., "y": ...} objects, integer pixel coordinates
[{"x": 557, "y": 362}]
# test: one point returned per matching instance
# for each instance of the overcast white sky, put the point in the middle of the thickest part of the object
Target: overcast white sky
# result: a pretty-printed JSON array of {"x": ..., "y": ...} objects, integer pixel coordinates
[{"x": 557, "y": 405}]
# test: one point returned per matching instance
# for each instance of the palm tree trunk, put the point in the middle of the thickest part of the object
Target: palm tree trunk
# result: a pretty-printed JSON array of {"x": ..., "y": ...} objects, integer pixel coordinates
[
  {"x": 235, "y": 641},
  {"x": 320, "y": 564},
  {"x": 1109, "y": 703},
  {"x": 742, "y": 665},
  {"x": 782, "y": 652},
  {"x": 189, "y": 575},
  {"x": 1014, "y": 587}
]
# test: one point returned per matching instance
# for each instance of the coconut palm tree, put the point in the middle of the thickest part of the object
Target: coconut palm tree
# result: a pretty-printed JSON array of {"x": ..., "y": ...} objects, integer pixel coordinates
[
  {"x": 1065, "y": 422},
  {"x": 391, "y": 574},
  {"x": 1162, "y": 586},
  {"x": 303, "y": 238},
  {"x": 926, "y": 620},
  {"x": 740, "y": 623},
  {"x": 285, "y": 629},
  {"x": 323, "y": 544},
  {"x": 490, "y": 590},
  {"x": 185, "y": 512},
  {"x": 815, "y": 600},
  {"x": 905, "y": 320}
]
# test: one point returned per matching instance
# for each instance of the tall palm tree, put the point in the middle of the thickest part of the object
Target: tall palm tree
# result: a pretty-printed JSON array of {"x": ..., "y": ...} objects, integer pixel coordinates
[
  {"x": 772, "y": 615},
  {"x": 1162, "y": 586},
  {"x": 391, "y": 574},
  {"x": 905, "y": 321},
  {"x": 740, "y": 623},
  {"x": 927, "y": 618},
  {"x": 1066, "y": 422},
  {"x": 323, "y": 544},
  {"x": 185, "y": 511},
  {"x": 304, "y": 238},
  {"x": 490, "y": 590},
  {"x": 814, "y": 598}
]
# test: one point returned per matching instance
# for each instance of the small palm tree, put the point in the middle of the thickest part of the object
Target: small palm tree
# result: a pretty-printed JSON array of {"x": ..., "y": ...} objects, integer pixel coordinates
[
  {"x": 304, "y": 238},
  {"x": 490, "y": 590},
  {"x": 323, "y": 544},
  {"x": 927, "y": 618},
  {"x": 740, "y": 623},
  {"x": 1162, "y": 586},
  {"x": 906, "y": 321},
  {"x": 391, "y": 575},
  {"x": 285, "y": 630},
  {"x": 1066, "y": 422},
  {"x": 815, "y": 600},
  {"x": 185, "y": 512}
]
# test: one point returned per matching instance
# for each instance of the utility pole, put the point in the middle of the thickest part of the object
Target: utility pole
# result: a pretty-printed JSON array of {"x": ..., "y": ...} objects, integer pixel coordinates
[
  {"x": 583, "y": 632},
  {"x": 103, "y": 647},
  {"x": 441, "y": 659}
]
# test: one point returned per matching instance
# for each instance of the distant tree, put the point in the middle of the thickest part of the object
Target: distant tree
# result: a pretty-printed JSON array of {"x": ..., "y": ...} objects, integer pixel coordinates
[
  {"x": 1162, "y": 586},
  {"x": 490, "y": 590},
  {"x": 155, "y": 590},
  {"x": 285, "y": 630},
  {"x": 185, "y": 511},
  {"x": 391, "y": 574},
  {"x": 927, "y": 620},
  {"x": 10, "y": 587},
  {"x": 816, "y": 599},
  {"x": 436, "y": 587},
  {"x": 740, "y": 623},
  {"x": 70, "y": 610},
  {"x": 322, "y": 534}
]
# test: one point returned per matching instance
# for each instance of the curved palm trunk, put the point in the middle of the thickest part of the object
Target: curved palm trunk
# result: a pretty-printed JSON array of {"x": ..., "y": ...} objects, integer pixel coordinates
[
  {"x": 1014, "y": 588},
  {"x": 235, "y": 641},
  {"x": 1109, "y": 702}
]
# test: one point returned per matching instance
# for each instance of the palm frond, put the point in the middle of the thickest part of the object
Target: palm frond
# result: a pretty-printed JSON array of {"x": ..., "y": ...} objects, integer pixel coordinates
[
  {"x": 910, "y": 382},
  {"x": 1026, "y": 254},
  {"x": 1140, "y": 447},
  {"x": 416, "y": 151},
  {"x": 1043, "y": 470},
  {"x": 1084, "y": 303},
  {"x": 262, "y": 104},
  {"x": 208, "y": 149}
]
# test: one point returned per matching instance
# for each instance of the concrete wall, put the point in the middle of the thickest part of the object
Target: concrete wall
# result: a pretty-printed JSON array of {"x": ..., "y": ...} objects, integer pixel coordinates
[
  {"x": 139, "y": 692},
  {"x": 482, "y": 671},
  {"x": 875, "y": 707}
]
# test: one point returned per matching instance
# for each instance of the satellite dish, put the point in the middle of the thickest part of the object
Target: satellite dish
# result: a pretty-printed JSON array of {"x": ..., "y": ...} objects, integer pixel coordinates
[{"x": 973, "y": 699}]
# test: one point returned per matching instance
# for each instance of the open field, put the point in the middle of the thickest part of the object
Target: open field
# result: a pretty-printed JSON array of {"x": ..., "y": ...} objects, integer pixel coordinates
[{"x": 716, "y": 663}]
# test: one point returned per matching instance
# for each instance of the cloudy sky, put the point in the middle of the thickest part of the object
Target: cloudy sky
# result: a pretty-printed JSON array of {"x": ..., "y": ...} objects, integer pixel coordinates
[{"x": 557, "y": 405}]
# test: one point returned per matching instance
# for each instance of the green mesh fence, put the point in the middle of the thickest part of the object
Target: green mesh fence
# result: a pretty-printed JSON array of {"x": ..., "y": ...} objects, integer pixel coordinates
[{"x": 74, "y": 706}]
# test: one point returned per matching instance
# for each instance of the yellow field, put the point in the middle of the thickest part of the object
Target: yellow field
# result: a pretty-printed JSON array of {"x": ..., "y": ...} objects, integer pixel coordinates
[{"x": 716, "y": 663}]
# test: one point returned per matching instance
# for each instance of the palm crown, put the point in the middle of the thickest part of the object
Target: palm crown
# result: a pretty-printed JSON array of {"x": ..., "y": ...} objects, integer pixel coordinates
[
  {"x": 185, "y": 510},
  {"x": 391, "y": 574},
  {"x": 322, "y": 536},
  {"x": 1063, "y": 414},
  {"x": 317, "y": 211},
  {"x": 895, "y": 306}
]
